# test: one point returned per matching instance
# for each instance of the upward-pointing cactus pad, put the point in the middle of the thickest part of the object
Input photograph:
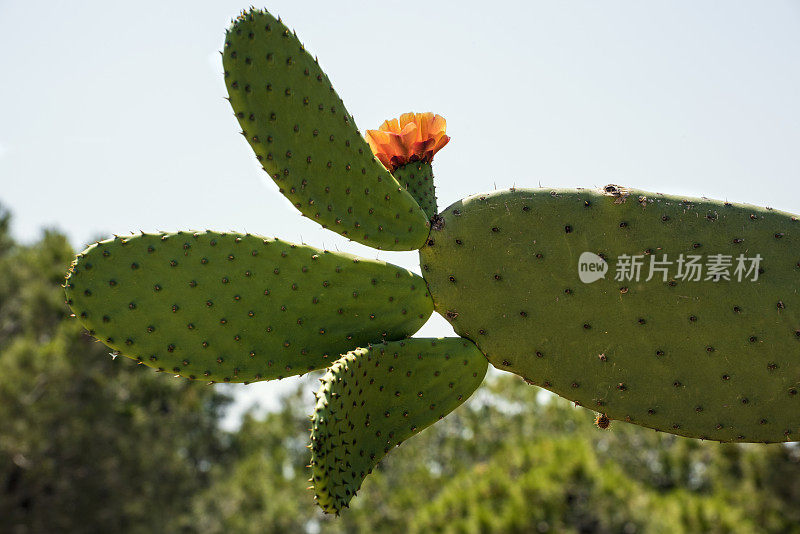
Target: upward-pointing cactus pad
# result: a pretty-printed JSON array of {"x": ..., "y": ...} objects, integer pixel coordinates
[
  {"x": 374, "y": 398},
  {"x": 307, "y": 141},
  {"x": 239, "y": 308}
]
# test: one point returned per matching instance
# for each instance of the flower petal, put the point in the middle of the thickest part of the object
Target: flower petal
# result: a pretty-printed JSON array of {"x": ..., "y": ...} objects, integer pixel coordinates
[{"x": 412, "y": 137}]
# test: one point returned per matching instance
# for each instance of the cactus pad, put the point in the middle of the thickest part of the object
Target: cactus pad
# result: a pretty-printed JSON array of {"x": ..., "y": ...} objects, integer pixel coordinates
[
  {"x": 374, "y": 398},
  {"x": 307, "y": 141},
  {"x": 239, "y": 308},
  {"x": 707, "y": 359},
  {"x": 417, "y": 178}
]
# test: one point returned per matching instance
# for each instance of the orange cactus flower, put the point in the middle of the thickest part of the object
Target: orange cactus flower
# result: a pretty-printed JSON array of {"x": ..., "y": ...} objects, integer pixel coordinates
[{"x": 414, "y": 137}]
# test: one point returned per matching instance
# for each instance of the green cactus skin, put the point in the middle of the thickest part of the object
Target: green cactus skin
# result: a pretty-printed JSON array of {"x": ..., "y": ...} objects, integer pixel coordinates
[
  {"x": 711, "y": 360},
  {"x": 239, "y": 308},
  {"x": 374, "y": 398},
  {"x": 417, "y": 178},
  {"x": 308, "y": 143}
]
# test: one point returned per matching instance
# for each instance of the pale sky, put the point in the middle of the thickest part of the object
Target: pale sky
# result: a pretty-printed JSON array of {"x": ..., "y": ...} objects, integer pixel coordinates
[{"x": 112, "y": 115}]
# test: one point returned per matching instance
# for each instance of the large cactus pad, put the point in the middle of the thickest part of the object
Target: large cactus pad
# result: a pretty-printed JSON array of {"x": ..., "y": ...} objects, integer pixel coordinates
[
  {"x": 717, "y": 357},
  {"x": 239, "y": 308}
]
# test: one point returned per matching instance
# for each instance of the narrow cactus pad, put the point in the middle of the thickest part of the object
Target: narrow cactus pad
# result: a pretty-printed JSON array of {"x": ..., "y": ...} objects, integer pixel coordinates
[
  {"x": 374, "y": 398},
  {"x": 417, "y": 178},
  {"x": 696, "y": 357},
  {"x": 307, "y": 141},
  {"x": 239, "y": 308}
]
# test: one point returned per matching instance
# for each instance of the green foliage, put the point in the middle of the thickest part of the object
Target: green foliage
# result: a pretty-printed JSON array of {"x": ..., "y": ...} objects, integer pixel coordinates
[
  {"x": 88, "y": 443},
  {"x": 561, "y": 485},
  {"x": 5, "y": 236},
  {"x": 515, "y": 459},
  {"x": 265, "y": 488}
]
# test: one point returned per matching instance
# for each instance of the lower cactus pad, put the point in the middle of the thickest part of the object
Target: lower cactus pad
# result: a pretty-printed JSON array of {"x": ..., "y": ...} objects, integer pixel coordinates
[{"x": 374, "y": 398}]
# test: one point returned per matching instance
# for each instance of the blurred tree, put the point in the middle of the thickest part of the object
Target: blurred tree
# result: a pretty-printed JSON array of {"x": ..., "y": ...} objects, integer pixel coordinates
[
  {"x": 266, "y": 488},
  {"x": 513, "y": 459},
  {"x": 5, "y": 234},
  {"x": 89, "y": 443}
]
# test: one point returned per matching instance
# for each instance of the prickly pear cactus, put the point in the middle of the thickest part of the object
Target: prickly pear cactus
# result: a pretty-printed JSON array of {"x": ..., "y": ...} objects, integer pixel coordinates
[{"x": 677, "y": 314}]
